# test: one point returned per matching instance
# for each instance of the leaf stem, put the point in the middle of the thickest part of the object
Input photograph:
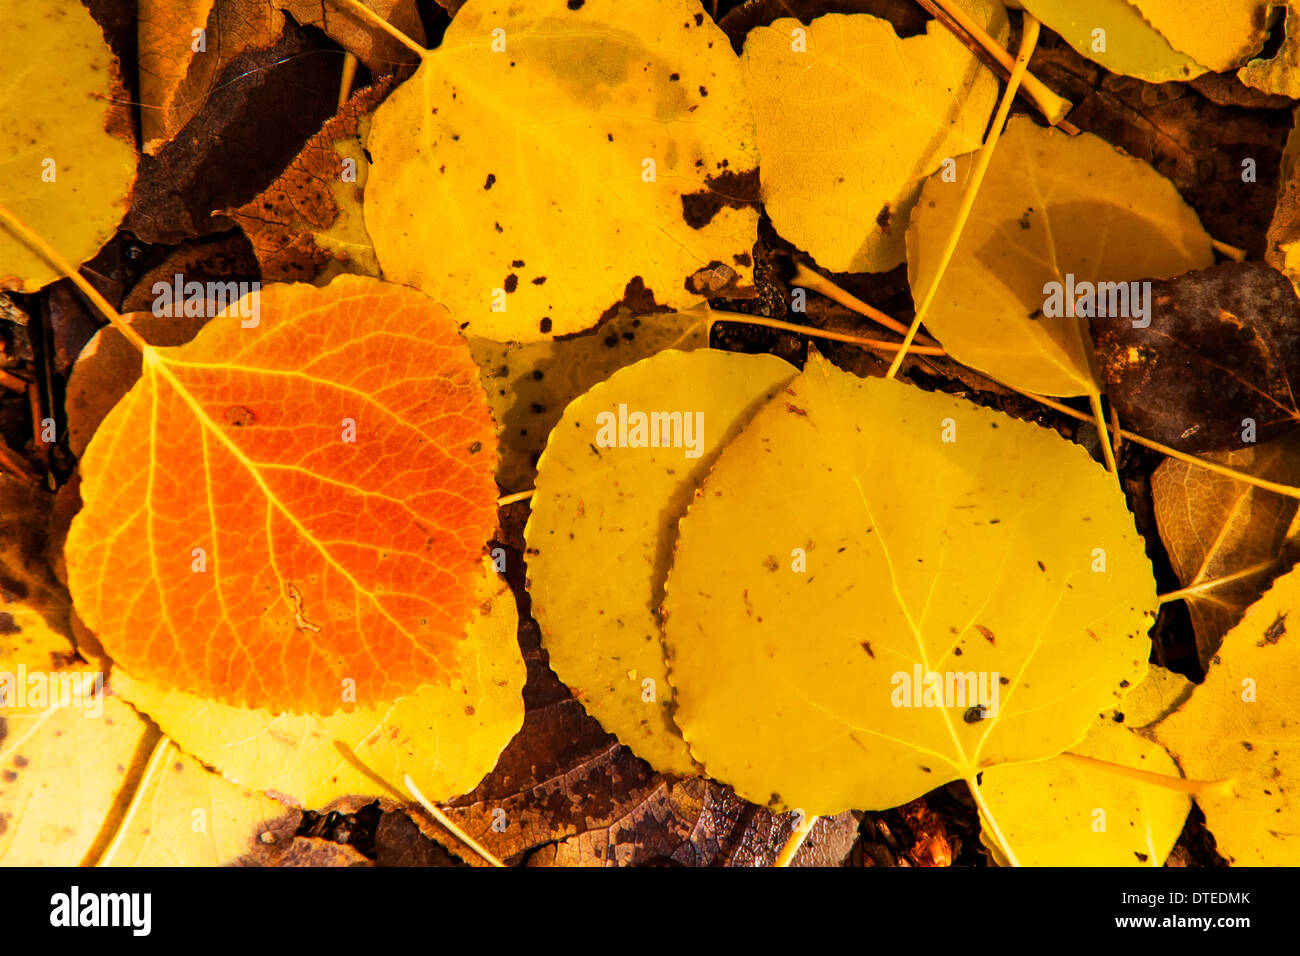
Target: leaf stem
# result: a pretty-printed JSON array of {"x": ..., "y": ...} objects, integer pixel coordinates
[
  {"x": 375, "y": 20},
  {"x": 969, "y": 191},
  {"x": 796, "y": 840},
  {"x": 1213, "y": 583},
  {"x": 33, "y": 239},
  {"x": 137, "y": 798},
  {"x": 1287, "y": 490},
  {"x": 1099, "y": 419},
  {"x": 1052, "y": 106},
  {"x": 821, "y": 333},
  {"x": 349, "y": 75},
  {"x": 1217, "y": 788},
  {"x": 1232, "y": 252},
  {"x": 805, "y": 277},
  {"x": 988, "y": 817},
  {"x": 517, "y": 496},
  {"x": 445, "y": 820}
]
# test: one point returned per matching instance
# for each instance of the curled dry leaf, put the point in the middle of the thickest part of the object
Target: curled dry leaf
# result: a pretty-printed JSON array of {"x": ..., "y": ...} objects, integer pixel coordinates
[
  {"x": 294, "y": 509},
  {"x": 67, "y": 153},
  {"x": 527, "y": 187},
  {"x": 793, "y": 641},
  {"x": 1219, "y": 34}
]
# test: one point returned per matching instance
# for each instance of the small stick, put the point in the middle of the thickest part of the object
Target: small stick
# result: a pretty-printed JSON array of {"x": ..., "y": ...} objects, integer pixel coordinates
[
  {"x": 12, "y": 382},
  {"x": 718, "y": 316},
  {"x": 1232, "y": 252},
  {"x": 796, "y": 840},
  {"x": 1052, "y": 106},
  {"x": 17, "y": 467},
  {"x": 517, "y": 496},
  {"x": 445, "y": 820},
  {"x": 805, "y": 277},
  {"x": 39, "y": 446},
  {"x": 375, "y": 20},
  {"x": 349, "y": 75}
]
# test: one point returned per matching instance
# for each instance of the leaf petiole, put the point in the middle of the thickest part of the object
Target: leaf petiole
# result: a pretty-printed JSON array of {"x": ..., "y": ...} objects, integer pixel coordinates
[{"x": 1216, "y": 788}]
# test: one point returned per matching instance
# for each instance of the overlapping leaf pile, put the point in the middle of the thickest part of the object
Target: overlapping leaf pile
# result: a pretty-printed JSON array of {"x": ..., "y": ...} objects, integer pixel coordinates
[{"x": 826, "y": 592}]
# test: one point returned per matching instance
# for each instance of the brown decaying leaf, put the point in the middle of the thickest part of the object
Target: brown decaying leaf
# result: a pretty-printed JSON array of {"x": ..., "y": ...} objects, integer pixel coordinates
[
  {"x": 176, "y": 80},
  {"x": 907, "y": 16},
  {"x": 1214, "y": 526},
  {"x": 25, "y": 575},
  {"x": 1218, "y": 363},
  {"x": 284, "y": 221},
  {"x": 263, "y": 107}
]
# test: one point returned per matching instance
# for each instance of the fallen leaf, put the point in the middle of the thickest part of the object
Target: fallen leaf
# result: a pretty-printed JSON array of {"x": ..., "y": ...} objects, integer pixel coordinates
[
  {"x": 68, "y": 753},
  {"x": 1212, "y": 367},
  {"x": 25, "y": 574},
  {"x": 791, "y": 681},
  {"x": 264, "y": 105},
  {"x": 530, "y": 384},
  {"x": 187, "y": 45},
  {"x": 580, "y": 153},
  {"x": 185, "y": 815},
  {"x": 303, "y": 233},
  {"x": 67, "y": 153},
  {"x": 1051, "y": 206},
  {"x": 1114, "y": 34},
  {"x": 1240, "y": 724},
  {"x": 1219, "y": 34},
  {"x": 343, "y": 453},
  {"x": 1061, "y": 812},
  {"x": 447, "y": 736},
  {"x": 1214, "y": 527},
  {"x": 603, "y": 515},
  {"x": 846, "y": 200}
]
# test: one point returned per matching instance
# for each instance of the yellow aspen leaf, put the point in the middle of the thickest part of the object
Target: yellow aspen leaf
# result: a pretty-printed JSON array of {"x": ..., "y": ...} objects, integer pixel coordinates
[
  {"x": 1056, "y": 216},
  {"x": 547, "y": 159},
  {"x": 529, "y": 384},
  {"x": 851, "y": 119},
  {"x": 68, "y": 752},
  {"x": 67, "y": 150},
  {"x": 186, "y": 815},
  {"x": 1241, "y": 724},
  {"x": 1219, "y": 34},
  {"x": 296, "y": 499},
  {"x": 1114, "y": 34},
  {"x": 446, "y": 736},
  {"x": 1063, "y": 812},
  {"x": 934, "y": 538},
  {"x": 611, "y": 486}
]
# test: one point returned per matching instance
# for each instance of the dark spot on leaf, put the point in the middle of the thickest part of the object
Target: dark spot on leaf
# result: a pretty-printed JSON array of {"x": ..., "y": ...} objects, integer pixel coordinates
[
  {"x": 866, "y": 646},
  {"x": 492, "y": 178},
  {"x": 511, "y": 283},
  {"x": 730, "y": 188},
  {"x": 240, "y": 416},
  {"x": 1274, "y": 632},
  {"x": 545, "y": 325}
]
